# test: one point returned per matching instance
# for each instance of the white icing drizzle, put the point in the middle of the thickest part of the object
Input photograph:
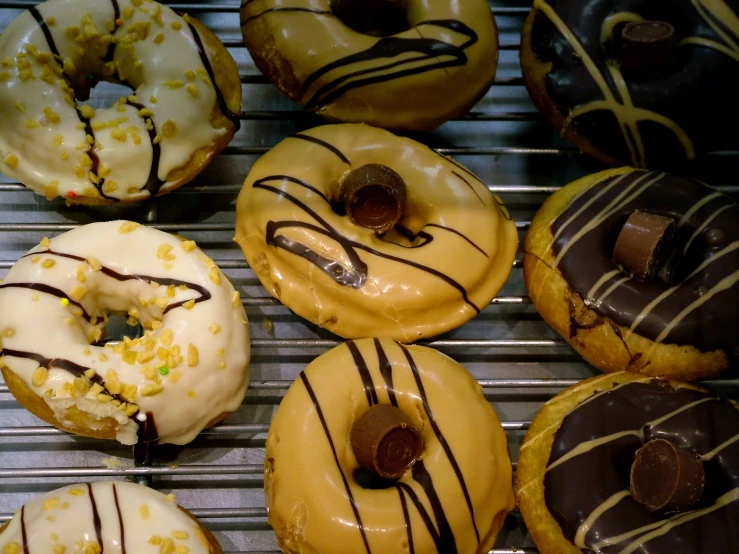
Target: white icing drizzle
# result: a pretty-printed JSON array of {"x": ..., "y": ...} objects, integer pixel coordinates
[
  {"x": 600, "y": 282},
  {"x": 43, "y": 140},
  {"x": 191, "y": 365},
  {"x": 717, "y": 10},
  {"x": 610, "y": 289},
  {"x": 708, "y": 456},
  {"x": 593, "y": 517},
  {"x": 697, "y": 206},
  {"x": 703, "y": 225},
  {"x": 132, "y": 520}
]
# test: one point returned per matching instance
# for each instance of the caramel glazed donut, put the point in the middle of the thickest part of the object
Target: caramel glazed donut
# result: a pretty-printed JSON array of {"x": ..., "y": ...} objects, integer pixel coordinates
[
  {"x": 680, "y": 323},
  {"x": 575, "y": 469},
  {"x": 186, "y": 86},
  {"x": 188, "y": 371},
  {"x": 113, "y": 517},
  {"x": 444, "y": 260},
  {"x": 635, "y": 82},
  {"x": 446, "y": 451},
  {"x": 427, "y": 63}
]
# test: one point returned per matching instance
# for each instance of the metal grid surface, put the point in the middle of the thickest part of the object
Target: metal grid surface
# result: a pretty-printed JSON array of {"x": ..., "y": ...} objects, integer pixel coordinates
[{"x": 517, "y": 358}]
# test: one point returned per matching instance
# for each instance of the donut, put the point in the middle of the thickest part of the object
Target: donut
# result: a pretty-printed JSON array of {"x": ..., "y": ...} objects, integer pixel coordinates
[
  {"x": 367, "y": 263},
  {"x": 187, "y": 371},
  {"x": 183, "y": 110},
  {"x": 114, "y": 517},
  {"x": 582, "y": 476},
  {"x": 647, "y": 83},
  {"x": 438, "y": 438},
  {"x": 399, "y": 65},
  {"x": 584, "y": 261}
]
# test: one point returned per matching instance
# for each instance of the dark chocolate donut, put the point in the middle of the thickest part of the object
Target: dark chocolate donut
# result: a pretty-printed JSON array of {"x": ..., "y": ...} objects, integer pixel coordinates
[
  {"x": 690, "y": 301},
  {"x": 586, "y": 473},
  {"x": 654, "y": 100}
]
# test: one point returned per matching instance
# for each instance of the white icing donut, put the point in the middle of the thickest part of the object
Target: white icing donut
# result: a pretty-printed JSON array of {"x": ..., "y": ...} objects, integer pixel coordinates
[
  {"x": 189, "y": 368},
  {"x": 454, "y": 499},
  {"x": 450, "y": 254},
  {"x": 139, "y": 146},
  {"x": 114, "y": 517}
]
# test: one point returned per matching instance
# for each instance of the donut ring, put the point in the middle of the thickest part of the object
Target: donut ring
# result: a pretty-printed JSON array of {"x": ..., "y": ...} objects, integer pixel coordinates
[
  {"x": 556, "y": 500},
  {"x": 577, "y": 79},
  {"x": 109, "y": 516},
  {"x": 453, "y": 500},
  {"x": 416, "y": 79},
  {"x": 182, "y": 113},
  {"x": 615, "y": 320},
  {"x": 450, "y": 254},
  {"x": 187, "y": 372}
]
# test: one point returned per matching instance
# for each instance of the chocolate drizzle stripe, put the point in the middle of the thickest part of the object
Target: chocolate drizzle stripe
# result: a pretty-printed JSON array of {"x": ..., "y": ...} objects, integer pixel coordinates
[
  {"x": 386, "y": 370},
  {"x": 120, "y": 519},
  {"x": 439, "y": 435},
  {"x": 321, "y": 417},
  {"x": 110, "y": 54},
  {"x": 361, "y": 364},
  {"x": 343, "y": 277},
  {"x": 234, "y": 118},
  {"x": 249, "y": 19},
  {"x": 296, "y": 181},
  {"x": 40, "y": 287},
  {"x": 407, "y": 520},
  {"x": 460, "y": 235},
  {"x": 390, "y": 47},
  {"x": 153, "y": 184},
  {"x": 469, "y": 185},
  {"x": 425, "y": 517},
  {"x": 325, "y": 144},
  {"x": 147, "y": 438},
  {"x": 45, "y": 29},
  {"x": 24, "y": 533},
  {"x": 204, "y": 292},
  {"x": 447, "y": 542},
  {"x": 96, "y": 519}
]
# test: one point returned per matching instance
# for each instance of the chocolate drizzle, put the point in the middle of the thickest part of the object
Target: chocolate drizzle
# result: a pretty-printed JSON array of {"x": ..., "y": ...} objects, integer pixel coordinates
[
  {"x": 120, "y": 520},
  {"x": 369, "y": 387},
  {"x": 251, "y": 18},
  {"x": 96, "y": 519},
  {"x": 148, "y": 437},
  {"x": 24, "y": 533},
  {"x": 326, "y": 145},
  {"x": 407, "y": 520},
  {"x": 33, "y": 10},
  {"x": 232, "y": 117},
  {"x": 153, "y": 184},
  {"x": 622, "y": 419},
  {"x": 695, "y": 307},
  {"x": 47, "y": 289},
  {"x": 440, "y": 54},
  {"x": 356, "y": 275},
  {"x": 386, "y": 370}
]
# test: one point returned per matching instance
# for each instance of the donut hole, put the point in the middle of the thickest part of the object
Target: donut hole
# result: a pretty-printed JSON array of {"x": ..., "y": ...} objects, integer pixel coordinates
[
  {"x": 118, "y": 329},
  {"x": 371, "y": 480},
  {"x": 101, "y": 94},
  {"x": 377, "y": 18}
]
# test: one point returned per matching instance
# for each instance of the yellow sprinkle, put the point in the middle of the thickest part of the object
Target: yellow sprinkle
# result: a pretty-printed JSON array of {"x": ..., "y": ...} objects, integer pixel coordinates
[
  {"x": 181, "y": 535},
  {"x": 159, "y": 38},
  {"x": 48, "y": 263},
  {"x": 20, "y": 107},
  {"x": 191, "y": 394},
  {"x": 167, "y": 547},
  {"x": 87, "y": 112},
  {"x": 51, "y": 115},
  {"x": 75, "y": 492},
  {"x": 59, "y": 549},
  {"x": 45, "y": 242},
  {"x": 50, "y": 503},
  {"x": 78, "y": 292},
  {"x": 176, "y": 25},
  {"x": 193, "y": 90},
  {"x": 151, "y": 389},
  {"x": 215, "y": 276},
  {"x": 51, "y": 21},
  {"x": 31, "y": 123},
  {"x": 189, "y": 304},
  {"x": 169, "y": 129},
  {"x": 163, "y": 252},
  {"x": 236, "y": 299},
  {"x": 192, "y": 355},
  {"x": 90, "y": 373},
  {"x": 119, "y": 134},
  {"x": 7, "y": 61},
  {"x": 11, "y": 160},
  {"x": 81, "y": 126},
  {"x": 214, "y": 328},
  {"x": 64, "y": 505},
  {"x": 144, "y": 357},
  {"x": 58, "y": 140},
  {"x": 128, "y": 227},
  {"x": 12, "y": 548},
  {"x": 174, "y": 84},
  {"x": 188, "y": 245},
  {"x": 64, "y": 302},
  {"x": 35, "y": 297}
]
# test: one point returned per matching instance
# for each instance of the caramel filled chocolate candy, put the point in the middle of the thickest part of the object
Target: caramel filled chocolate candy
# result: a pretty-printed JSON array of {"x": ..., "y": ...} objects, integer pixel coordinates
[
  {"x": 385, "y": 441},
  {"x": 374, "y": 197},
  {"x": 643, "y": 243},
  {"x": 648, "y": 48},
  {"x": 665, "y": 477}
]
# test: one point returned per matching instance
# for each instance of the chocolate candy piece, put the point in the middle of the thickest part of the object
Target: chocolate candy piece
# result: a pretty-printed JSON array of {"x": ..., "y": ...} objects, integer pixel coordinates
[
  {"x": 385, "y": 441},
  {"x": 374, "y": 197},
  {"x": 643, "y": 243},
  {"x": 648, "y": 48},
  {"x": 665, "y": 477}
]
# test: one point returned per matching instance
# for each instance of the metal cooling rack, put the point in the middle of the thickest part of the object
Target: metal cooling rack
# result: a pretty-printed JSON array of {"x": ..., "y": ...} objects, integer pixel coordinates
[{"x": 517, "y": 358}]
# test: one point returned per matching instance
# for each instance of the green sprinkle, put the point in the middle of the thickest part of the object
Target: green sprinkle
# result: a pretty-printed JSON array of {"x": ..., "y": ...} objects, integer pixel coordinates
[
  {"x": 64, "y": 302},
  {"x": 164, "y": 370}
]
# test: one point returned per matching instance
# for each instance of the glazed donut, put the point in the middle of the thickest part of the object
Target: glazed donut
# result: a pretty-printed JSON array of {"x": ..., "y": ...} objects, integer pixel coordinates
[
  {"x": 453, "y": 499},
  {"x": 641, "y": 83},
  {"x": 188, "y": 370},
  {"x": 447, "y": 256},
  {"x": 114, "y": 517},
  {"x": 400, "y": 65},
  {"x": 617, "y": 318},
  {"x": 182, "y": 112},
  {"x": 576, "y": 485}
]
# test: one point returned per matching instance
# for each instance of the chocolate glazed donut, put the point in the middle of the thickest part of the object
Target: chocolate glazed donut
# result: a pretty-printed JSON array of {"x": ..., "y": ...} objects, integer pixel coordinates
[
  {"x": 680, "y": 322},
  {"x": 581, "y": 473},
  {"x": 648, "y": 84}
]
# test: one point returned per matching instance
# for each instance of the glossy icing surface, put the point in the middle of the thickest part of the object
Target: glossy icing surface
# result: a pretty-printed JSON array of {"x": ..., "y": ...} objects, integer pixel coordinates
[
  {"x": 453, "y": 500},
  {"x": 110, "y": 517},
  {"x": 415, "y": 79},
  {"x": 58, "y": 147},
  {"x": 643, "y": 122},
  {"x": 188, "y": 368},
  {"x": 444, "y": 262},
  {"x": 587, "y": 479},
  {"x": 694, "y": 299}
]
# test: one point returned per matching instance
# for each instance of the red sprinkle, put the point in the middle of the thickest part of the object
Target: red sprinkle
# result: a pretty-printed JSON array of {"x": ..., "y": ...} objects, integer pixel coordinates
[{"x": 71, "y": 194}]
